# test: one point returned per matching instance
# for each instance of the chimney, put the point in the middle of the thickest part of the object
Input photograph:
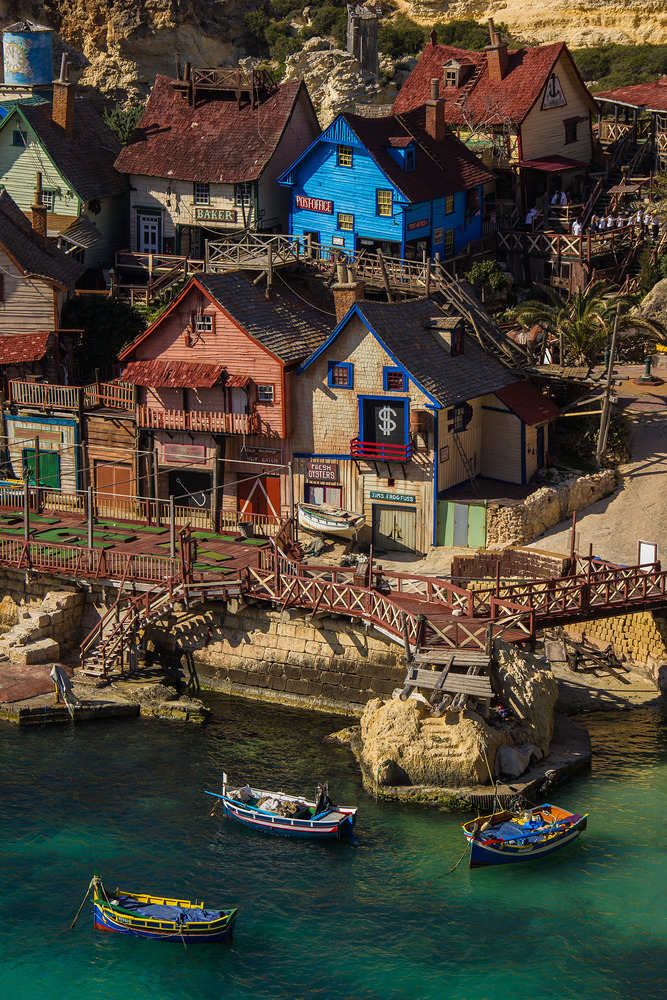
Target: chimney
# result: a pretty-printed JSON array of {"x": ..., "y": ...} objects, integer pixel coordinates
[
  {"x": 435, "y": 112},
  {"x": 346, "y": 294},
  {"x": 39, "y": 214},
  {"x": 64, "y": 93},
  {"x": 496, "y": 55},
  {"x": 434, "y": 37}
]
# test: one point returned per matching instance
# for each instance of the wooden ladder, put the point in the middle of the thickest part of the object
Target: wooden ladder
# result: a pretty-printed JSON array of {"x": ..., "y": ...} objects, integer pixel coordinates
[{"x": 467, "y": 465}]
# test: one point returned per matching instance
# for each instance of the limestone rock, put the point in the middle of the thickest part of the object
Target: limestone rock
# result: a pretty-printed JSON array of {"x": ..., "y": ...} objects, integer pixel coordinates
[
  {"x": 654, "y": 306},
  {"x": 9, "y": 611},
  {"x": 528, "y": 689},
  {"x": 404, "y": 745},
  {"x": 147, "y": 694}
]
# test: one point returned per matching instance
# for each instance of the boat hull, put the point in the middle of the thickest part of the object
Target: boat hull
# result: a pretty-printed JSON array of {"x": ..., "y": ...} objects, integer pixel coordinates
[
  {"x": 335, "y": 827},
  {"x": 323, "y": 524},
  {"x": 105, "y": 918},
  {"x": 486, "y": 849}
]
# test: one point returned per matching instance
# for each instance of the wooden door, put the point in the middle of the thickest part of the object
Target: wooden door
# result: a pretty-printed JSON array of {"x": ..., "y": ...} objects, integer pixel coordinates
[
  {"x": 258, "y": 494},
  {"x": 113, "y": 480},
  {"x": 49, "y": 468},
  {"x": 395, "y": 528}
]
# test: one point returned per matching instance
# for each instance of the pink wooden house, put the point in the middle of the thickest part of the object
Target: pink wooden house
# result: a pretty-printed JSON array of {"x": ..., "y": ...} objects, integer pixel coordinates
[{"x": 213, "y": 374}]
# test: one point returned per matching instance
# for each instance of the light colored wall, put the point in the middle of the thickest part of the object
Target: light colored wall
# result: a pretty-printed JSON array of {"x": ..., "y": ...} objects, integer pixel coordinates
[
  {"x": 543, "y": 132},
  {"x": 501, "y": 442},
  {"x": 453, "y": 471},
  {"x": 29, "y": 305}
]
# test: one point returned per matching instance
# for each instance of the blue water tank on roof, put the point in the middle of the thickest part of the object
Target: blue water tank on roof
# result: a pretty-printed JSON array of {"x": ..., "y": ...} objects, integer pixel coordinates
[{"x": 27, "y": 54}]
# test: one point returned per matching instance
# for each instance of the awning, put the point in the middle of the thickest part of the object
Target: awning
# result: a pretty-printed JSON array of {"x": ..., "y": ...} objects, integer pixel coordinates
[
  {"x": 81, "y": 233},
  {"x": 553, "y": 164},
  {"x": 237, "y": 381},
  {"x": 528, "y": 403},
  {"x": 172, "y": 374}
]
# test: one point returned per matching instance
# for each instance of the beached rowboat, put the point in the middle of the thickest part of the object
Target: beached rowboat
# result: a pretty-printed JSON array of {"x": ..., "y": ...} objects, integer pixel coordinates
[
  {"x": 287, "y": 815},
  {"x": 505, "y": 837},
  {"x": 158, "y": 917},
  {"x": 326, "y": 520}
]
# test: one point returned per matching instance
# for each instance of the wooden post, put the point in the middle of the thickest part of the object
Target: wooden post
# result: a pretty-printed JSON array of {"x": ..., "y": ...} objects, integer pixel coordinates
[
  {"x": 158, "y": 519},
  {"x": 606, "y": 409},
  {"x": 269, "y": 273},
  {"x": 574, "y": 521},
  {"x": 37, "y": 470},
  {"x": 172, "y": 529},
  {"x": 290, "y": 486},
  {"x": 26, "y": 507},
  {"x": 385, "y": 279},
  {"x": 90, "y": 517},
  {"x": 406, "y": 637}
]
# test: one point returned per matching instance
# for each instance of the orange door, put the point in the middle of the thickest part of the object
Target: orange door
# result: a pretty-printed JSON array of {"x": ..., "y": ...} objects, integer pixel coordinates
[{"x": 258, "y": 494}]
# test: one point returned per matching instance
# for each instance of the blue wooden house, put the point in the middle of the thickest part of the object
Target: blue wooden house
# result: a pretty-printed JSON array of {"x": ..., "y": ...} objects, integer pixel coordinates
[{"x": 403, "y": 184}]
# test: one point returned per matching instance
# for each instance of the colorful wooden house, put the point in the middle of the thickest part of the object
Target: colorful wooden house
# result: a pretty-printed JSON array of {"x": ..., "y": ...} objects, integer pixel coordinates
[
  {"x": 529, "y": 107},
  {"x": 397, "y": 408},
  {"x": 69, "y": 143},
  {"x": 402, "y": 184},
  {"x": 204, "y": 158},
  {"x": 214, "y": 375},
  {"x": 35, "y": 276}
]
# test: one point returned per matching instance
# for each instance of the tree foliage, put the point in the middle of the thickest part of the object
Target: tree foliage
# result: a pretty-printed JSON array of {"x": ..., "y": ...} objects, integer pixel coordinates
[
  {"x": 488, "y": 274},
  {"x": 123, "y": 121},
  {"x": 401, "y": 37},
  {"x": 584, "y": 323},
  {"x": 107, "y": 324},
  {"x": 467, "y": 34},
  {"x": 611, "y": 66}
]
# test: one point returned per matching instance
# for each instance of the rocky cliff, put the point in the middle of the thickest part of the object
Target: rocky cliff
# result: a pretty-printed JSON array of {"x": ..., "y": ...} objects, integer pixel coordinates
[{"x": 118, "y": 46}]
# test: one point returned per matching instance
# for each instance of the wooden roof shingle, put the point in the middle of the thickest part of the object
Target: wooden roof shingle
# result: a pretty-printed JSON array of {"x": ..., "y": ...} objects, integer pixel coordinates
[
  {"x": 30, "y": 254},
  {"x": 22, "y": 348}
]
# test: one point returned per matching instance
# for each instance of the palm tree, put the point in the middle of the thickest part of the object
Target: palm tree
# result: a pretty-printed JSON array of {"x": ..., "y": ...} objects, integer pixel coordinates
[{"x": 583, "y": 324}]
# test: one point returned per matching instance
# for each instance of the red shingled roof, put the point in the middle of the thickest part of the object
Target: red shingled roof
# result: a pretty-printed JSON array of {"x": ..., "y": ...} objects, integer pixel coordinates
[
  {"x": 528, "y": 403},
  {"x": 20, "y": 348},
  {"x": 172, "y": 374},
  {"x": 650, "y": 96},
  {"x": 442, "y": 168},
  {"x": 215, "y": 142},
  {"x": 494, "y": 102}
]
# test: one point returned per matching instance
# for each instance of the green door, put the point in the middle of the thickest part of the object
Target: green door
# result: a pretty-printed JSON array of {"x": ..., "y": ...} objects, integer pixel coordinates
[
  {"x": 49, "y": 468},
  {"x": 477, "y": 526}
]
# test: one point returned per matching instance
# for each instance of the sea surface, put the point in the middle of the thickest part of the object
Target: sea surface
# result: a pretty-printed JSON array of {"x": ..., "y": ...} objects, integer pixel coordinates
[{"x": 377, "y": 919}]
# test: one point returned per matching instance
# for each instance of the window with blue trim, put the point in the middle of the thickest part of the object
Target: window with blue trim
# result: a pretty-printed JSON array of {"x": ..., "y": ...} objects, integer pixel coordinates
[
  {"x": 340, "y": 375},
  {"x": 393, "y": 380},
  {"x": 410, "y": 159},
  {"x": 459, "y": 417},
  {"x": 19, "y": 138}
]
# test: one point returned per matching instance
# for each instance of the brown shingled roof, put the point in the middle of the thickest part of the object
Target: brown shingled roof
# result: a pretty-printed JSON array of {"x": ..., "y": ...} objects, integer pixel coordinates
[
  {"x": 19, "y": 241},
  {"x": 87, "y": 157},
  {"x": 495, "y": 102},
  {"x": 528, "y": 403},
  {"x": 442, "y": 168},
  {"x": 213, "y": 142},
  {"x": 20, "y": 348},
  {"x": 172, "y": 374},
  {"x": 650, "y": 96}
]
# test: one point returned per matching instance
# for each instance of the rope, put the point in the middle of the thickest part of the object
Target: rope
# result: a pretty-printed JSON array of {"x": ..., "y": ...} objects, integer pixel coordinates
[
  {"x": 90, "y": 886},
  {"x": 467, "y": 847}
]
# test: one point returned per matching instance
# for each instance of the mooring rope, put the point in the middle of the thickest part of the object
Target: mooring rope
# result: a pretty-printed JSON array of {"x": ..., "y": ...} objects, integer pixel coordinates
[
  {"x": 467, "y": 847},
  {"x": 82, "y": 904}
]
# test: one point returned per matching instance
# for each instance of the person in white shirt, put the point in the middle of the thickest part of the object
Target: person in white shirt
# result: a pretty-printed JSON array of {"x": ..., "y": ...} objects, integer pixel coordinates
[
  {"x": 556, "y": 198},
  {"x": 576, "y": 228},
  {"x": 611, "y": 222},
  {"x": 563, "y": 199},
  {"x": 639, "y": 217}
]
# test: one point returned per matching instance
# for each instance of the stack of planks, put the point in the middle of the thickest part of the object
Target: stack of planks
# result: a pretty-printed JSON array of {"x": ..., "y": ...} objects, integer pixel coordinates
[{"x": 439, "y": 671}]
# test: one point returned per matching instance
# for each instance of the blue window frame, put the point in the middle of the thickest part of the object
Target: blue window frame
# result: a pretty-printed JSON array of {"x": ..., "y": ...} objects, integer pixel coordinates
[
  {"x": 459, "y": 417},
  {"x": 19, "y": 138},
  {"x": 393, "y": 380},
  {"x": 340, "y": 375}
]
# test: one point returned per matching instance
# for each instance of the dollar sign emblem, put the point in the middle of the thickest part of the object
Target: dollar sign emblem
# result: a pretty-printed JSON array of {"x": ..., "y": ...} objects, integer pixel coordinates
[{"x": 387, "y": 425}]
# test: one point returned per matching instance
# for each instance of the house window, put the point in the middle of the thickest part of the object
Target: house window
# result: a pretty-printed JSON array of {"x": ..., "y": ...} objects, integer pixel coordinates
[
  {"x": 409, "y": 159},
  {"x": 571, "y": 130},
  {"x": 340, "y": 375},
  {"x": 345, "y": 221},
  {"x": 19, "y": 138},
  {"x": 345, "y": 156},
  {"x": 384, "y": 203},
  {"x": 48, "y": 199},
  {"x": 203, "y": 324},
  {"x": 459, "y": 417},
  {"x": 451, "y": 76},
  {"x": 438, "y": 235},
  {"x": 393, "y": 380},
  {"x": 265, "y": 393},
  {"x": 201, "y": 193},
  {"x": 457, "y": 341},
  {"x": 243, "y": 194},
  {"x": 449, "y": 241},
  {"x": 449, "y": 204}
]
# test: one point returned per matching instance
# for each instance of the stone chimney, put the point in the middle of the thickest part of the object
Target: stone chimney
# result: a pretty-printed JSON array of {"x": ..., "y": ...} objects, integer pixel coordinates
[
  {"x": 39, "y": 213},
  {"x": 435, "y": 112},
  {"x": 64, "y": 93},
  {"x": 346, "y": 293},
  {"x": 496, "y": 55}
]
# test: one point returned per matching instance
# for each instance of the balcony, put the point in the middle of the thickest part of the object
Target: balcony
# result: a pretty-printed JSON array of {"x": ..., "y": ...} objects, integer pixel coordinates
[
  {"x": 372, "y": 451},
  {"x": 196, "y": 420},
  {"x": 46, "y": 396}
]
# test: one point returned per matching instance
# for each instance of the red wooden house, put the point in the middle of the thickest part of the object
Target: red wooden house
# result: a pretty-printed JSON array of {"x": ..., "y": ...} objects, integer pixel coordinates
[{"x": 213, "y": 374}]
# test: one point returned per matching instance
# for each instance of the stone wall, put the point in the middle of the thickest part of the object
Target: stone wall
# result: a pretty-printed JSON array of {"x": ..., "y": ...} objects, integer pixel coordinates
[
  {"x": 527, "y": 564},
  {"x": 521, "y": 523},
  {"x": 43, "y": 630},
  {"x": 331, "y": 665},
  {"x": 640, "y": 637}
]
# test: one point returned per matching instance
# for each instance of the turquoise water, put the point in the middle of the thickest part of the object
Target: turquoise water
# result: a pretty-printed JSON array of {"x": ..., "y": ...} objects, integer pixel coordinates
[{"x": 374, "y": 920}]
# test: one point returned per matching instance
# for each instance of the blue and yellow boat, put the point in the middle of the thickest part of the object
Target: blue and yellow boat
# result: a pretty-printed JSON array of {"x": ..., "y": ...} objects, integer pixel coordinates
[
  {"x": 506, "y": 837},
  {"x": 159, "y": 917}
]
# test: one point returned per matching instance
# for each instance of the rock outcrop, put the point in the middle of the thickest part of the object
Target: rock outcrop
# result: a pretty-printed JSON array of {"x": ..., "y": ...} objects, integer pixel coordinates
[
  {"x": 528, "y": 689},
  {"x": 654, "y": 305}
]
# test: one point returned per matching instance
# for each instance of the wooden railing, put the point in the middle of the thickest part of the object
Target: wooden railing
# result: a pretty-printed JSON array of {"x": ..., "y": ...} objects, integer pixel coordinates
[
  {"x": 46, "y": 396},
  {"x": 562, "y": 245},
  {"x": 119, "y": 395},
  {"x": 196, "y": 420}
]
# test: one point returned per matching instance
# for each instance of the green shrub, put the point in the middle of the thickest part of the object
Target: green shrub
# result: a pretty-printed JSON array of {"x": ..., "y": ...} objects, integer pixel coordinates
[
  {"x": 123, "y": 121},
  {"x": 107, "y": 324},
  {"x": 255, "y": 23},
  {"x": 613, "y": 65},
  {"x": 488, "y": 274},
  {"x": 401, "y": 37}
]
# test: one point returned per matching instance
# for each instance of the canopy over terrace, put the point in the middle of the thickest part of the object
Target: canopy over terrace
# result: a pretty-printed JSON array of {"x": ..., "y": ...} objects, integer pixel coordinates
[
  {"x": 640, "y": 98},
  {"x": 547, "y": 174}
]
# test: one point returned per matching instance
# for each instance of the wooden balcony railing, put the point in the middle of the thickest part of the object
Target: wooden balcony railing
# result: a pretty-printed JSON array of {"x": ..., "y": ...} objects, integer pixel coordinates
[
  {"x": 381, "y": 452},
  {"x": 195, "y": 420},
  {"x": 46, "y": 396}
]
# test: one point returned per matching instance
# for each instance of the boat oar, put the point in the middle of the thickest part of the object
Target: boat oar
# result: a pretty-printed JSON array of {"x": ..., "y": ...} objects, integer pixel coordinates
[{"x": 82, "y": 904}]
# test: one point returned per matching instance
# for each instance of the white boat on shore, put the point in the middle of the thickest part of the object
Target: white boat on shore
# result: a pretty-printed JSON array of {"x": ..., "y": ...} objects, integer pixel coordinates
[{"x": 325, "y": 520}]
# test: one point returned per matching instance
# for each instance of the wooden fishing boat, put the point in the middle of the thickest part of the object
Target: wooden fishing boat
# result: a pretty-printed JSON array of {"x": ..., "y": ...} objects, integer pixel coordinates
[
  {"x": 287, "y": 815},
  {"x": 159, "y": 917},
  {"x": 505, "y": 837},
  {"x": 326, "y": 520}
]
